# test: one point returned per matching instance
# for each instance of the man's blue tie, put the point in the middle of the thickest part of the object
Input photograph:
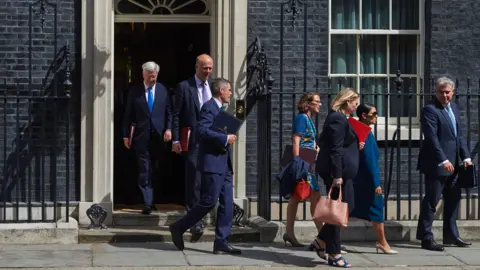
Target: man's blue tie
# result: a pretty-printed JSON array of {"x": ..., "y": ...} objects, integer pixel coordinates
[
  {"x": 150, "y": 99},
  {"x": 452, "y": 118}
]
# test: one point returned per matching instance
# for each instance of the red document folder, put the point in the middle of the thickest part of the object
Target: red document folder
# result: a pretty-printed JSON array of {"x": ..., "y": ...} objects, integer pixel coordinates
[
  {"x": 185, "y": 138},
  {"x": 130, "y": 136},
  {"x": 360, "y": 129}
]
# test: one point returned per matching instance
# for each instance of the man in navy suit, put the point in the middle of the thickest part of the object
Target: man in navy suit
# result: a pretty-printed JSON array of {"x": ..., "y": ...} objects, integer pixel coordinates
[
  {"x": 148, "y": 109},
  {"x": 443, "y": 151},
  {"x": 190, "y": 95},
  {"x": 215, "y": 165}
]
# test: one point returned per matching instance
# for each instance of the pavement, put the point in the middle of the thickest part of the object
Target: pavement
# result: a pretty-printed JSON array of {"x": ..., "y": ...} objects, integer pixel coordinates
[{"x": 275, "y": 256}]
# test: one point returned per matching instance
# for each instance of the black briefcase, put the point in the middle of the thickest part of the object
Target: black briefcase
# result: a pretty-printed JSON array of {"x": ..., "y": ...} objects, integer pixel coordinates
[{"x": 468, "y": 177}]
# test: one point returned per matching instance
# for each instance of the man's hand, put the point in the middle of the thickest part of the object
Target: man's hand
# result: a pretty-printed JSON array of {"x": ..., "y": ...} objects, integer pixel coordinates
[
  {"x": 448, "y": 167},
  {"x": 378, "y": 191},
  {"x": 167, "y": 136},
  {"x": 125, "y": 142},
  {"x": 177, "y": 148},
  {"x": 338, "y": 182},
  {"x": 231, "y": 138},
  {"x": 361, "y": 145},
  {"x": 467, "y": 163}
]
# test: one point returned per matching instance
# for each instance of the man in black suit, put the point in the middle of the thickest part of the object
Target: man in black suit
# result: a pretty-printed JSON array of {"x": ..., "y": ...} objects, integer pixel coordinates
[
  {"x": 443, "y": 151},
  {"x": 190, "y": 95},
  {"x": 148, "y": 109},
  {"x": 215, "y": 165}
]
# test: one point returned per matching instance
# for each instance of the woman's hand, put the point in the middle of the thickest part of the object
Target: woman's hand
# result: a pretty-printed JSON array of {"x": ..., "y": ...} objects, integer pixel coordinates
[
  {"x": 361, "y": 145},
  {"x": 379, "y": 191},
  {"x": 338, "y": 182}
]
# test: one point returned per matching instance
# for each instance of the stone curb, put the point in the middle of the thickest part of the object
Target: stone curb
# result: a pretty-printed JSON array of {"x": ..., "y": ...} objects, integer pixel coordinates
[
  {"x": 61, "y": 232},
  {"x": 247, "y": 268},
  {"x": 357, "y": 230},
  {"x": 159, "y": 234}
]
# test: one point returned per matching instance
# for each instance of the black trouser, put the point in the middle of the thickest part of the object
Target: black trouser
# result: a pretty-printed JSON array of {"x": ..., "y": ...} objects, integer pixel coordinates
[
  {"x": 330, "y": 234},
  {"x": 147, "y": 160},
  {"x": 435, "y": 187},
  {"x": 192, "y": 179}
]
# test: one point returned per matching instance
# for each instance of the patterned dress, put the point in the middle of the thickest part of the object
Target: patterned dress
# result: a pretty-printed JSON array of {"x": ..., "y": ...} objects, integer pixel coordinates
[{"x": 304, "y": 125}]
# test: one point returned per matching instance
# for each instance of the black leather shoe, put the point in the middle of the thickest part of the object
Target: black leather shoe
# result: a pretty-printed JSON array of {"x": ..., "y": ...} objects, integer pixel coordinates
[
  {"x": 431, "y": 245},
  {"x": 227, "y": 250},
  {"x": 177, "y": 237},
  {"x": 196, "y": 232},
  {"x": 153, "y": 207},
  {"x": 456, "y": 242},
  {"x": 146, "y": 210}
]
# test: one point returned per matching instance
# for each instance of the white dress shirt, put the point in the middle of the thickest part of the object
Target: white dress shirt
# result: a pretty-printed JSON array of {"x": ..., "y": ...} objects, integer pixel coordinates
[
  {"x": 146, "y": 91},
  {"x": 446, "y": 109},
  {"x": 199, "y": 83}
]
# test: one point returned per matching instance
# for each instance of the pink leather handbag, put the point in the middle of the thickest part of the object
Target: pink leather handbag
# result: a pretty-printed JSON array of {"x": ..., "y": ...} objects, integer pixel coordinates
[{"x": 334, "y": 212}]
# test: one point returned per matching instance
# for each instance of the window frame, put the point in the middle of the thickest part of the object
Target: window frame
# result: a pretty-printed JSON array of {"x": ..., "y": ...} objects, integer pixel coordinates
[{"x": 420, "y": 33}]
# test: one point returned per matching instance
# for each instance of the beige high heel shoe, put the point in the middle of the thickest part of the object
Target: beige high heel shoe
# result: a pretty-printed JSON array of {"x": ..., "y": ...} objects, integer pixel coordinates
[{"x": 384, "y": 250}]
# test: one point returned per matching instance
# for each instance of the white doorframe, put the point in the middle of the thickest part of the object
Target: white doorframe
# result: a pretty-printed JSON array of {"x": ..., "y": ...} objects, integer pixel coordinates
[{"x": 176, "y": 18}]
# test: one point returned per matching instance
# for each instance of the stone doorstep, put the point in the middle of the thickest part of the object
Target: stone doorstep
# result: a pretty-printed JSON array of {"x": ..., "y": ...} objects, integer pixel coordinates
[
  {"x": 357, "y": 230},
  {"x": 159, "y": 234},
  {"x": 155, "y": 219}
]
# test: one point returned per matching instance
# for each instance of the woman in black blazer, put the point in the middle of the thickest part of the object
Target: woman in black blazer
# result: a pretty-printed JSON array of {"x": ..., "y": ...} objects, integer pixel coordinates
[{"x": 337, "y": 165}]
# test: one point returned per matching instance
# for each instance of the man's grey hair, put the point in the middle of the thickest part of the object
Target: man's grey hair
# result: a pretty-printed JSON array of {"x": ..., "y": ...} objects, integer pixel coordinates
[
  {"x": 151, "y": 66},
  {"x": 444, "y": 81},
  {"x": 217, "y": 84}
]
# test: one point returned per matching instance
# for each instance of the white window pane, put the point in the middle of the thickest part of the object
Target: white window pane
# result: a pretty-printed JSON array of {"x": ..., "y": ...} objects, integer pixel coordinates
[
  {"x": 372, "y": 91},
  {"x": 375, "y": 14},
  {"x": 405, "y": 14},
  {"x": 373, "y": 54},
  {"x": 343, "y": 58},
  {"x": 338, "y": 83},
  {"x": 345, "y": 14},
  {"x": 403, "y": 54}
]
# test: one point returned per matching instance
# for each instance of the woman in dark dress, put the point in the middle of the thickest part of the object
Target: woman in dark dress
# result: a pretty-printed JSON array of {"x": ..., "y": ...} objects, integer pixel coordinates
[
  {"x": 337, "y": 164},
  {"x": 368, "y": 192}
]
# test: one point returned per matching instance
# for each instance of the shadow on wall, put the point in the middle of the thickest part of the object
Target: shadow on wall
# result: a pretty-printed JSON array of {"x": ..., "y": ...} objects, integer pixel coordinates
[{"x": 37, "y": 120}]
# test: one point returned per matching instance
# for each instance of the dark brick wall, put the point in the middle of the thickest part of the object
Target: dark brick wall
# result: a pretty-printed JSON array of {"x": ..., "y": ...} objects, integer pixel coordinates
[
  {"x": 454, "y": 46},
  {"x": 264, "y": 21},
  {"x": 37, "y": 128},
  {"x": 451, "y": 48}
]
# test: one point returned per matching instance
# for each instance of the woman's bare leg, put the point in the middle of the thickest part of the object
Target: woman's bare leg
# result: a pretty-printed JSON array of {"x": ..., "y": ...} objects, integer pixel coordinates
[
  {"x": 292, "y": 215},
  {"x": 314, "y": 197},
  {"x": 379, "y": 229}
]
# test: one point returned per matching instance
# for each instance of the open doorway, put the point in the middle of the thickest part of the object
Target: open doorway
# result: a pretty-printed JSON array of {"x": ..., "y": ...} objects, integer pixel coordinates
[{"x": 174, "y": 46}]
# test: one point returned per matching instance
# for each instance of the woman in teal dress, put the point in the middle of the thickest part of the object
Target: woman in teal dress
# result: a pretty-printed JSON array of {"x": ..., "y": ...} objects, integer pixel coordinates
[
  {"x": 369, "y": 202},
  {"x": 304, "y": 133}
]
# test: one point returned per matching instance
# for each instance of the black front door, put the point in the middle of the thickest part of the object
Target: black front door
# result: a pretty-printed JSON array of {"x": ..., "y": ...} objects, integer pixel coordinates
[{"x": 174, "y": 47}]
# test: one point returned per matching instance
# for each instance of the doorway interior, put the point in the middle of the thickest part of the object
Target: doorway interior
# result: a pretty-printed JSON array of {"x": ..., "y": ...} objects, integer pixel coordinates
[{"x": 174, "y": 47}]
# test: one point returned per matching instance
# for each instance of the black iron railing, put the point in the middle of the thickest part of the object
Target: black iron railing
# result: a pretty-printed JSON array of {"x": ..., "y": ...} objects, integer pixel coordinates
[
  {"x": 35, "y": 124},
  {"x": 399, "y": 137}
]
